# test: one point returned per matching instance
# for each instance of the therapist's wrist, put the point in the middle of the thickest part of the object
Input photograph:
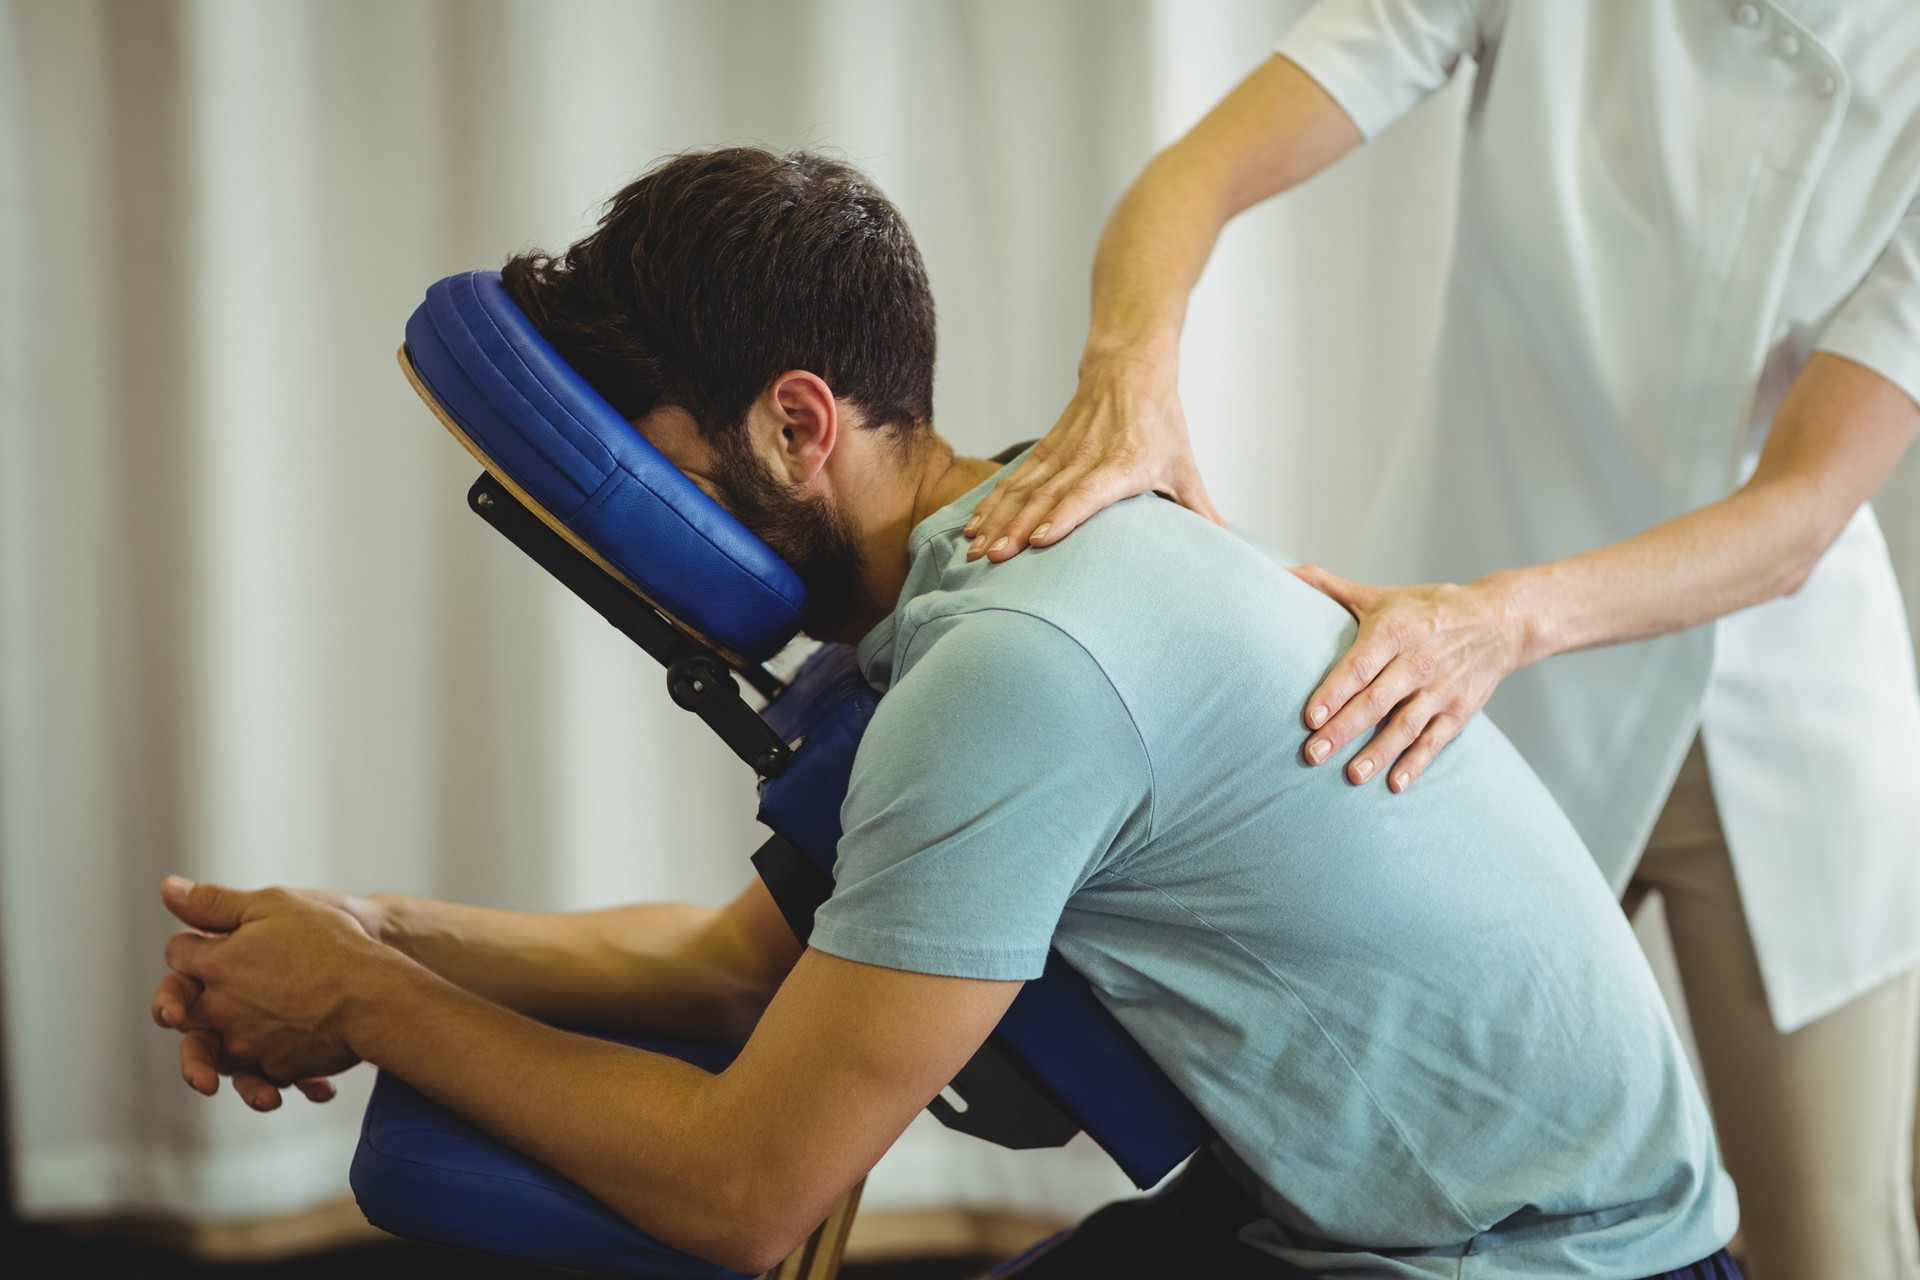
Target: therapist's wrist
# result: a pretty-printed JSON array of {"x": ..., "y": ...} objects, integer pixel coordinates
[
  {"x": 1516, "y": 598},
  {"x": 1155, "y": 356}
]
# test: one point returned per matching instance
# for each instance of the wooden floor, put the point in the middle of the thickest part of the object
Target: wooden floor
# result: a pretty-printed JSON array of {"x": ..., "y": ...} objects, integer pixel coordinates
[{"x": 34, "y": 1251}]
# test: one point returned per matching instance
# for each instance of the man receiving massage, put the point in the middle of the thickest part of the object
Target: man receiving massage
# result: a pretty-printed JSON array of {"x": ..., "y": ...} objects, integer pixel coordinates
[{"x": 1418, "y": 1022}]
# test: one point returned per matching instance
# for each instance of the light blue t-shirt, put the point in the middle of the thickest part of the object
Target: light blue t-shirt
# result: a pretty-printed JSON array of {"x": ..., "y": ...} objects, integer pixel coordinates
[{"x": 1421, "y": 1020}]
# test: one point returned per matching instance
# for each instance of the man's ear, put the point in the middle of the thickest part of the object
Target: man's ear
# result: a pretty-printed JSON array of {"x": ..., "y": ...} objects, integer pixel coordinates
[{"x": 806, "y": 422}]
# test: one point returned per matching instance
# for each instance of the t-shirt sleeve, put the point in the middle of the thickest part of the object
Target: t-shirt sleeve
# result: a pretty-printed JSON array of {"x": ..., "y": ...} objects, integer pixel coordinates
[
  {"x": 1380, "y": 58},
  {"x": 1879, "y": 323},
  {"x": 1001, "y": 772}
]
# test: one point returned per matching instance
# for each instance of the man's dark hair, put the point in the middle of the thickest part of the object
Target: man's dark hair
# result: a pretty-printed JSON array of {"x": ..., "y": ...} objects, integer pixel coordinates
[{"x": 718, "y": 270}]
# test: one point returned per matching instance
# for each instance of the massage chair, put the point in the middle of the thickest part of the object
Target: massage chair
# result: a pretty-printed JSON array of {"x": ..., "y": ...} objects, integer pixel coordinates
[{"x": 576, "y": 487}]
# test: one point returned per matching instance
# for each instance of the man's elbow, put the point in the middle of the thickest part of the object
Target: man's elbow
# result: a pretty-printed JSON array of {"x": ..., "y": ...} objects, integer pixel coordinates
[
  {"x": 750, "y": 1251},
  {"x": 737, "y": 1218}
]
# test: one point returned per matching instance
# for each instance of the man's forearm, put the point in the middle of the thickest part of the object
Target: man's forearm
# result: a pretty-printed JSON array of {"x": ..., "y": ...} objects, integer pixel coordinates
[
  {"x": 673, "y": 968},
  {"x": 637, "y": 1130}
]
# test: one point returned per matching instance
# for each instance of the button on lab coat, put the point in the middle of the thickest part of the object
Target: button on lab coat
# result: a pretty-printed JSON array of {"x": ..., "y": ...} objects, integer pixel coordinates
[{"x": 1666, "y": 207}]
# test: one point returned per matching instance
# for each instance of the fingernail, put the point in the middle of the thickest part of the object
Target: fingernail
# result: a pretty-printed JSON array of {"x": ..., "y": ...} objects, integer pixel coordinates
[
  {"x": 1043, "y": 530},
  {"x": 974, "y": 550},
  {"x": 1316, "y": 717},
  {"x": 1317, "y": 751},
  {"x": 1402, "y": 781},
  {"x": 170, "y": 1016},
  {"x": 1363, "y": 771},
  {"x": 973, "y": 527},
  {"x": 177, "y": 884},
  {"x": 1000, "y": 544}
]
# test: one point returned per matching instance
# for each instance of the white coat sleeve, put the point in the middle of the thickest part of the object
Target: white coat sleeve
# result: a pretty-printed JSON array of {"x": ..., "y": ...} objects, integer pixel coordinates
[
  {"x": 1379, "y": 58},
  {"x": 1879, "y": 323}
]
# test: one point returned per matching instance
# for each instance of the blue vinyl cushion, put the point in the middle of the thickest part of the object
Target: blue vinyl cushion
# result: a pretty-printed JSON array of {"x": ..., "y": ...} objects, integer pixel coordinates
[
  {"x": 424, "y": 1173},
  {"x": 544, "y": 429}
]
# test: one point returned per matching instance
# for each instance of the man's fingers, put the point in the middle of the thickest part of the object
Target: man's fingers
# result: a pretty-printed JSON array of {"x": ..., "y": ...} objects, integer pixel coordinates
[
  {"x": 318, "y": 1089},
  {"x": 1440, "y": 730},
  {"x": 170, "y": 1000},
  {"x": 187, "y": 953},
  {"x": 213, "y": 907},
  {"x": 200, "y": 1061},
  {"x": 256, "y": 1090}
]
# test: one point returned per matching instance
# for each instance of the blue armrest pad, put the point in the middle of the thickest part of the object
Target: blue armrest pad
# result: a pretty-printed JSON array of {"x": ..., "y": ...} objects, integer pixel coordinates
[
  {"x": 424, "y": 1173},
  {"x": 540, "y": 426}
]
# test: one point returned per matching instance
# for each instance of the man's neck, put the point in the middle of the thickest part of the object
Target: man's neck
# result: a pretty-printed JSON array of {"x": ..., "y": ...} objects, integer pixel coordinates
[{"x": 930, "y": 478}]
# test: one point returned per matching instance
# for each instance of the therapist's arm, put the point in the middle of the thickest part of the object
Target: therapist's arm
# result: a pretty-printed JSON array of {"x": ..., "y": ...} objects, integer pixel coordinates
[
  {"x": 1427, "y": 658},
  {"x": 1123, "y": 433},
  {"x": 736, "y": 1167}
]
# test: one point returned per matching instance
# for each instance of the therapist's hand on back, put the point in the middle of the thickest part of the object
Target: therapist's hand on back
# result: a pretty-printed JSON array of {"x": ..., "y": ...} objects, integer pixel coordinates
[
  {"x": 1122, "y": 434},
  {"x": 1423, "y": 663}
]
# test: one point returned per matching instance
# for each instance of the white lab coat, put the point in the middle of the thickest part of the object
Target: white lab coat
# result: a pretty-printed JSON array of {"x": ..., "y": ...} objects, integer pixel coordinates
[{"x": 1666, "y": 207}]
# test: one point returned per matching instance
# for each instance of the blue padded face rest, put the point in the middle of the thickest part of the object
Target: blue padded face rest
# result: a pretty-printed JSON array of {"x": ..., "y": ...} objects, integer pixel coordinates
[
  {"x": 424, "y": 1173},
  {"x": 1056, "y": 1030},
  {"x": 537, "y": 425}
]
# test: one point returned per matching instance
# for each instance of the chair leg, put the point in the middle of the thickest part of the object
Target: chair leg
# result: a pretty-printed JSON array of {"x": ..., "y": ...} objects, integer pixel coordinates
[{"x": 818, "y": 1258}]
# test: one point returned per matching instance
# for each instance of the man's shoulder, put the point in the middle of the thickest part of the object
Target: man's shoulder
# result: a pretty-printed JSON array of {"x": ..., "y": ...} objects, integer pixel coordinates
[{"x": 1012, "y": 655}]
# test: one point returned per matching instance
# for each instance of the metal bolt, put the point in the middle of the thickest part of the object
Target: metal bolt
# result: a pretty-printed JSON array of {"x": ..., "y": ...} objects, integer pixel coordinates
[{"x": 483, "y": 499}]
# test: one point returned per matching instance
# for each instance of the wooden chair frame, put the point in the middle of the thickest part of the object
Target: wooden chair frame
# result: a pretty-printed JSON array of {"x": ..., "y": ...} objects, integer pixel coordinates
[{"x": 818, "y": 1258}]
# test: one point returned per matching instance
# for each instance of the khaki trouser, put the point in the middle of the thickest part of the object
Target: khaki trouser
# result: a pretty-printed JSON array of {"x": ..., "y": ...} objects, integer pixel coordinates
[{"x": 1816, "y": 1127}]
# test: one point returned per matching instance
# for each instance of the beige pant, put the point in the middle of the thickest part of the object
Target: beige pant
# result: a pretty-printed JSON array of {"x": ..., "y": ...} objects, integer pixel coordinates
[{"x": 1816, "y": 1127}]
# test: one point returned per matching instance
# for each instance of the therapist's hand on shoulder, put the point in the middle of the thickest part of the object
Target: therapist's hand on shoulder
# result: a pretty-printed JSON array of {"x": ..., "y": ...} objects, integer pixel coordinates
[
  {"x": 1424, "y": 662},
  {"x": 256, "y": 984},
  {"x": 1122, "y": 434}
]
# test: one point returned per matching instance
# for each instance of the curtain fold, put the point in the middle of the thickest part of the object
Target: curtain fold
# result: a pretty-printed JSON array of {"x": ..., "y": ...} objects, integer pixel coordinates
[{"x": 248, "y": 631}]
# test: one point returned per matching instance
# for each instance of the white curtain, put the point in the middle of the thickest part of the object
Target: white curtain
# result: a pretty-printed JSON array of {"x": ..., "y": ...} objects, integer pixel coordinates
[{"x": 247, "y": 631}]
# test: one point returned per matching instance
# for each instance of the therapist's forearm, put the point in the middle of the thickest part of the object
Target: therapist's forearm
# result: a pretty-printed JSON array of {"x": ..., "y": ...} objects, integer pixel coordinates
[
  {"x": 669, "y": 968},
  {"x": 1277, "y": 128},
  {"x": 1744, "y": 550},
  {"x": 1838, "y": 435}
]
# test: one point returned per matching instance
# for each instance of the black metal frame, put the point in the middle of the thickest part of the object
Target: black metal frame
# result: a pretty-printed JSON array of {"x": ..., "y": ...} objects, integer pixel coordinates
[{"x": 698, "y": 677}]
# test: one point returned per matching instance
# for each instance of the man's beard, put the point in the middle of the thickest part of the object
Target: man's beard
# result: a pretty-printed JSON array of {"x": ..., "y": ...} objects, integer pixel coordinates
[{"x": 807, "y": 531}]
